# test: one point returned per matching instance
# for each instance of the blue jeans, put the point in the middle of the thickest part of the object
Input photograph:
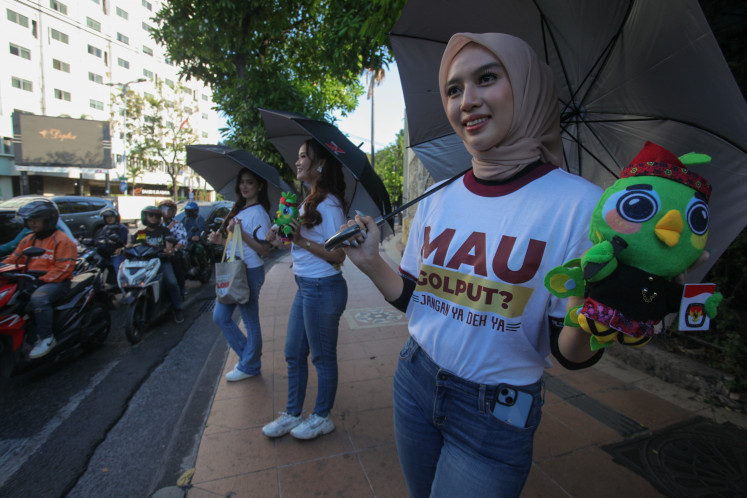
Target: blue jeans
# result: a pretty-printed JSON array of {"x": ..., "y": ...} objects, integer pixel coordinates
[
  {"x": 172, "y": 286},
  {"x": 313, "y": 326},
  {"x": 42, "y": 303},
  {"x": 449, "y": 443},
  {"x": 249, "y": 347}
]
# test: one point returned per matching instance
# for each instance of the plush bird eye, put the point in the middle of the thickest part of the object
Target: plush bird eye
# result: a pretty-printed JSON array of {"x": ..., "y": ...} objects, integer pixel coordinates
[
  {"x": 637, "y": 205},
  {"x": 698, "y": 216},
  {"x": 286, "y": 210}
]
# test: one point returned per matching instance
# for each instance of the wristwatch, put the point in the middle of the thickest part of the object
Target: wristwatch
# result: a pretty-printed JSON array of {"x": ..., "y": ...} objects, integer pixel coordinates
[{"x": 308, "y": 244}]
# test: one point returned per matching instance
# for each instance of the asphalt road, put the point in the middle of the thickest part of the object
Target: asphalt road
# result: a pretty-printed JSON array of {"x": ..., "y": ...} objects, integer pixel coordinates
[{"x": 121, "y": 421}]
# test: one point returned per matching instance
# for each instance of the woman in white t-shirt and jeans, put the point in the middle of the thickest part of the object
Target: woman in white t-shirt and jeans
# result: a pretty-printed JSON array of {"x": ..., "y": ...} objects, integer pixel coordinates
[
  {"x": 249, "y": 211},
  {"x": 321, "y": 296}
]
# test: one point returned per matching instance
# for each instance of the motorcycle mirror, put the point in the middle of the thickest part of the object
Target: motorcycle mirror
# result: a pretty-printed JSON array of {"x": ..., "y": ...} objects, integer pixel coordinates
[{"x": 33, "y": 252}]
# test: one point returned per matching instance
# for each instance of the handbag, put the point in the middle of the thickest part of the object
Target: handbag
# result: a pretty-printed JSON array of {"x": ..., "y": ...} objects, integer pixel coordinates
[{"x": 231, "y": 286}]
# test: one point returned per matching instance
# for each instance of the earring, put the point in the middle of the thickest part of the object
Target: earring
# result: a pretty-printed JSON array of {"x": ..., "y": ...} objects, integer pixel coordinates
[{"x": 319, "y": 169}]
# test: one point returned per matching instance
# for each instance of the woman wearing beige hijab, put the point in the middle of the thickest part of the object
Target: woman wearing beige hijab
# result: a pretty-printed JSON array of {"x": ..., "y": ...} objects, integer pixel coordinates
[{"x": 468, "y": 392}]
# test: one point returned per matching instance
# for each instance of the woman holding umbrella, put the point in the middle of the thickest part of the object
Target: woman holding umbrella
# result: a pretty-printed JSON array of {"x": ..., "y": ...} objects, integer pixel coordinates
[
  {"x": 321, "y": 297},
  {"x": 249, "y": 211},
  {"x": 468, "y": 391}
]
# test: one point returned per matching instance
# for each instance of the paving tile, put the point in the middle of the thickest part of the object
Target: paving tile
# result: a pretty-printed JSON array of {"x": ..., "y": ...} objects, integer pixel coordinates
[
  {"x": 341, "y": 475},
  {"x": 365, "y": 395},
  {"x": 381, "y": 466},
  {"x": 590, "y": 472},
  {"x": 370, "y": 428},
  {"x": 228, "y": 454},
  {"x": 553, "y": 438},
  {"x": 260, "y": 484},
  {"x": 645, "y": 408},
  {"x": 580, "y": 423},
  {"x": 290, "y": 450},
  {"x": 540, "y": 485}
]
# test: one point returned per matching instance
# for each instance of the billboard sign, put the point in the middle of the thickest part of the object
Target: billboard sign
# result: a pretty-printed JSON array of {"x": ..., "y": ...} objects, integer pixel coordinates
[{"x": 51, "y": 141}]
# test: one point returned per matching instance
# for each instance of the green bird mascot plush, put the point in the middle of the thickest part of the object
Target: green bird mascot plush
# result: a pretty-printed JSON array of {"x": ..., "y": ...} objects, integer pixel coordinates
[{"x": 648, "y": 227}]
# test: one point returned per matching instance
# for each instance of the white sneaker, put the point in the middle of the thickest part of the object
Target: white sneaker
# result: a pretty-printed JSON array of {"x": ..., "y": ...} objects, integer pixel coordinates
[
  {"x": 281, "y": 425},
  {"x": 43, "y": 346},
  {"x": 236, "y": 374},
  {"x": 313, "y": 426}
]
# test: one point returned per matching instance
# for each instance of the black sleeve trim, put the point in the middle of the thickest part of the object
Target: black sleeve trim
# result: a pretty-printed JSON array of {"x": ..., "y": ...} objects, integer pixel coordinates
[
  {"x": 555, "y": 327},
  {"x": 408, "y": 287}
]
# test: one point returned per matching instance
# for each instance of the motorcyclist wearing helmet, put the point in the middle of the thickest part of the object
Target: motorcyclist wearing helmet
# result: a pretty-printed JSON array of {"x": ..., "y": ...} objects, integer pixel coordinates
[
  {"x": 168, "y": 209},
  {"x": 193, "y": 220},
  {"x": 154, "y": 235},
  {"x": 58, "y": 261},
  {"x": 110, "y": 242},
  {"x": 194, "y": 224}
]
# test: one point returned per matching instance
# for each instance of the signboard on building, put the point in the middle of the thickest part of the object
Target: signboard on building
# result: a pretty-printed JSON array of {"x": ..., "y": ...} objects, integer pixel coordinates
[{"x": 51, "y": 141}]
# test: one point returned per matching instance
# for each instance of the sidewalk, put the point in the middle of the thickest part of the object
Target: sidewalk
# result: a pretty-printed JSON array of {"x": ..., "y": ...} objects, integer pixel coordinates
[{"x": 606, "y": 431}]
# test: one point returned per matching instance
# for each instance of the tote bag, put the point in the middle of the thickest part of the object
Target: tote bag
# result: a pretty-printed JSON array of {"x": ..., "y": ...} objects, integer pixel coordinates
[{"x": 231, "y": 286}]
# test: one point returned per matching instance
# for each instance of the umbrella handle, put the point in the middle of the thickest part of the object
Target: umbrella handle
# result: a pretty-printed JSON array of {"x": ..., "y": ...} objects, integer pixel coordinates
[
  {"x": 254, "y": 235},
  {"x": 340, "y": 238}
]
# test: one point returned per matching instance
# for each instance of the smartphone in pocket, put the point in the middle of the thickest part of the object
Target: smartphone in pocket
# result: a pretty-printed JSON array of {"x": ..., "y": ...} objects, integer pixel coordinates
[{"x": 512, "y": 406}]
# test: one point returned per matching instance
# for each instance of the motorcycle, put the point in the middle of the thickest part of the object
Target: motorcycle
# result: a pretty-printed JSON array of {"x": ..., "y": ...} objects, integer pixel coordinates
[
  {"x": 198, "y": 257},
  {"x": 142, "y": 285},
  {"x": 81, "y": 318}
]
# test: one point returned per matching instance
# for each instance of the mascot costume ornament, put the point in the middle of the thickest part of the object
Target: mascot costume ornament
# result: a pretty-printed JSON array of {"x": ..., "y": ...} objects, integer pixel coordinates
[
  {"x": 287, "y": 211},
  {"x": 648, "y": 227}
]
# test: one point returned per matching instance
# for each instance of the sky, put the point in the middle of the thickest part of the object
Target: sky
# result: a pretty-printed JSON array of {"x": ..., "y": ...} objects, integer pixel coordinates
[{"x": 389, "y": 114}]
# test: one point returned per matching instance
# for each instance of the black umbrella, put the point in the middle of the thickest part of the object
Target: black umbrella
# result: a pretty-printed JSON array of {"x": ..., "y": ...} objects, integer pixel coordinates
[
  {"x": 220, "y": 165},
  {"x": 364, "y": 190},
  {"x": 627, "y": 71}
]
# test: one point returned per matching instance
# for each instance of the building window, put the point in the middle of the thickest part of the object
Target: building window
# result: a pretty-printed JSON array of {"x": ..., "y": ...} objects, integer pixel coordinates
[
  {"x": 123, "y": 63},
  {"x": 97, "y": 2},
  {"x": 96, "y": 78},
  {"x": 22, "y": 84},
  {"x": 93, "y": 24},
  {"x": 147, "y": 50},
  {"x": 21, "y": 52},
  {"x": 61, "y": 66},
  {"x": 204, "y": 115},
  {"x": 18, "y": 18},
  {"x": 7, "y": 145},
  {"x": 122, "y": 38},
  {"x": 169, "y": 82},
  {"x": 95, "y": 51},
  {"x": 58, "y": 6},
  {"x": 204, "y": 97},
  {"x": 60, "y": 36},
  {"x": 61, "y": 94},
  {"x": 96, "y": 104},
  {"x": 122, "y": 13},
  {"x": 204, "y": 134},
  {"x": 147, "y": 74},
  {"x": 147, "y": 5},
  {"x": 146, "y": 27}
]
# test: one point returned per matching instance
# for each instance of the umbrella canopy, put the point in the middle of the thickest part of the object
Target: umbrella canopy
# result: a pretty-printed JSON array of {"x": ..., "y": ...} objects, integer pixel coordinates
[
  {"x": 627, "y": 71},
  {"x": 220, "y": 165},
  {"x": 364, "y": 190}
]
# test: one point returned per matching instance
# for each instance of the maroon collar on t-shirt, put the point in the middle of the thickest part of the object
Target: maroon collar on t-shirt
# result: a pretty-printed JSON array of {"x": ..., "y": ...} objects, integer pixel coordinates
[{"x": 485, "y": 188}]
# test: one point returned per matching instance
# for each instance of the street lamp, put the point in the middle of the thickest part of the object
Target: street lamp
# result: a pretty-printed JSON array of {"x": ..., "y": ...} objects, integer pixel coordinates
[{"x": 123, "y": 87}]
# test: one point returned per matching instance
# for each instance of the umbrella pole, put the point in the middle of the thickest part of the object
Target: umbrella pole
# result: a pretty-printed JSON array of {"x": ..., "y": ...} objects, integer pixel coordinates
[{"x": 341, "y": 238}]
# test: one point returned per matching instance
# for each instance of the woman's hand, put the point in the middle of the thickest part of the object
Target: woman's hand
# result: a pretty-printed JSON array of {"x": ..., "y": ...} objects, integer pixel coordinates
[
  {"x": 271, "y": 236},
  {"x": 364, "y": 246}
]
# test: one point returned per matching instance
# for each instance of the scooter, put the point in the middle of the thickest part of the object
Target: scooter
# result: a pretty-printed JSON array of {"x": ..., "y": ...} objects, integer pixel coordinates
[
  {"x": 81, "y": 318},
  {"x": 199, "y": 258},
  {"x": 142, "y": 285}
]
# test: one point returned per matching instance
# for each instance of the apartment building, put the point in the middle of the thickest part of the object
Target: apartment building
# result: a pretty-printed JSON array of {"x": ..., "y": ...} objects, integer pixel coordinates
[{"x": 70, "y": 58}]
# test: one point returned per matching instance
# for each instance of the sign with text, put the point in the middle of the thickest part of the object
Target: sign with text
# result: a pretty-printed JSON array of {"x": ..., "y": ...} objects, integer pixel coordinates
[{"x": 51, "y": 141}]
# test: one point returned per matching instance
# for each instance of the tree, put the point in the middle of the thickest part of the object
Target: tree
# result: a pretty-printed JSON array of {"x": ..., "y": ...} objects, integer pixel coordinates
[
  {"x": 302, "y": 56},
  {"x": 389, "y": 165}
]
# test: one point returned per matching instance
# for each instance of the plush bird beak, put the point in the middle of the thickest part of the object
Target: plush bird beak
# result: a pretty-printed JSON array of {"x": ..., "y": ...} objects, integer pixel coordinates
[{"x": 669, "y": 228}]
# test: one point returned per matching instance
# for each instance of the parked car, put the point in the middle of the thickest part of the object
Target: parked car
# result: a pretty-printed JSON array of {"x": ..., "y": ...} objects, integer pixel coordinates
[{"x": 81, "y": 214}]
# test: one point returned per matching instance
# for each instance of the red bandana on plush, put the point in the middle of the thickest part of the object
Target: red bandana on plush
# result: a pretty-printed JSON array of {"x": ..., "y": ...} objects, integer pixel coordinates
[{"x": 654, "y": 160}]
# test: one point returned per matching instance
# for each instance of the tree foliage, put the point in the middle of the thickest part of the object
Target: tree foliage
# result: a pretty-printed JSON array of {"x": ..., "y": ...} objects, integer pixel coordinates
[
  {"x": 389, "y": 166},
  {"x": 302, "y": 56}
]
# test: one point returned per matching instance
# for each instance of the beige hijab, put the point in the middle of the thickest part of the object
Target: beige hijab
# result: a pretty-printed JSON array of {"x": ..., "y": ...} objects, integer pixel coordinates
[{"x": 535, "y": 129}]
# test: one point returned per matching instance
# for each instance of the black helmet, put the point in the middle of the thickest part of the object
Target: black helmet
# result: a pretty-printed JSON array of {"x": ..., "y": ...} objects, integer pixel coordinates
[
  {"x": 191, "y": 209},
  {"x": 150, "y": 210},
  {"x": 44, "y": 209},
  {"x": 110, "y": 212}
]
